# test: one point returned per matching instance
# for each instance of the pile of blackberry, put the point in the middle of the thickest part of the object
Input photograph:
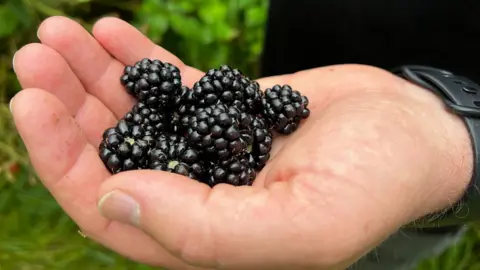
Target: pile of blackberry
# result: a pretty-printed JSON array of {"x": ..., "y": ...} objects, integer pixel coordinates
[{"x": 219, "y": 131}]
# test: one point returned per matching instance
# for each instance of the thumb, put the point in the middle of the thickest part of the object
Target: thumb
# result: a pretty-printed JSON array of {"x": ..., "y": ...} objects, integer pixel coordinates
[{"x": 194, "y": 222}]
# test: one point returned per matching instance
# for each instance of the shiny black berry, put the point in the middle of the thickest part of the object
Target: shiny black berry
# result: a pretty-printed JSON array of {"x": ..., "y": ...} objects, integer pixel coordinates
[
  {"x": 220, "y": 131},
  {"x": 284, "y": 108},
  {"x": 236, "y": 171},
  {"x": 173, "y": 154},
  {"x": 227, "y": 86},
  {"x": 153, "y": 82},
  {"x": 125, "y": 147},
  {"x": 262, "y": 142}
]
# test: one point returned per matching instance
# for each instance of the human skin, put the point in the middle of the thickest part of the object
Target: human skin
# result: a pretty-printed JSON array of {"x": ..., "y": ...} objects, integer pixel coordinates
[{"x": 376, "y": 153}]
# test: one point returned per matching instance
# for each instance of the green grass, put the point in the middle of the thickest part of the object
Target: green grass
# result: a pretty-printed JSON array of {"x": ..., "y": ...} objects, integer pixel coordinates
[
  {"x": 463, "y": 256},
  {"x": 34, "y": 231},
  {"x": 37, "y": 235}
]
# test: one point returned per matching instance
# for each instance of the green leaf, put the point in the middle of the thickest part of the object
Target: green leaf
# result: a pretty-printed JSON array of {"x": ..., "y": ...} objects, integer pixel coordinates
[
  {"x": 223, "y": 32},
  {"x": 8, "y": 21},
  {"x": 151, "y": 8},
  {"x": 22, "y": 12},
  {"x": 179, "y": 6},
  {"x": 255, "y": 16},
  {"x": 59, "y": 3},
  {"x": 103, "y": 257},
  {"x": 244, "y": 4},
  {"x": 193, "y": 53},
  {"x": 153, "y": 17},
  {"x": 190, "y": 28},
  {"x": 256, "y": 49},
  {"x": 213, "y": 12},
  {"x": 158, "y": 26},
  {"x": 48, "y": 10},
  {"x": 219, "y": 55}
]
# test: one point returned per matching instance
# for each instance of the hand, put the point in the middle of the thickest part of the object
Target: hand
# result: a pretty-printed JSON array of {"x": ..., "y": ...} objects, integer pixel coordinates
[{"x": 376, "y": 153}]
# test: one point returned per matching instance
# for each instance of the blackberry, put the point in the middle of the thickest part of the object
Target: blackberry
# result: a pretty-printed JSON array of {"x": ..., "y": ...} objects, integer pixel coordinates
[
  {"x": 173, "y": 154},
  {"x": 221, "y": 131},
  {"x": 152, "y": 121},
  {"x": 227, "y": 86},
  {"x": 237, "y": 171},
  {"x": 284, "y": 108},
  {"x": 262, "y": 142},
  {"x": 125, "y": 147},
  {"x": 153, "y": 82}
]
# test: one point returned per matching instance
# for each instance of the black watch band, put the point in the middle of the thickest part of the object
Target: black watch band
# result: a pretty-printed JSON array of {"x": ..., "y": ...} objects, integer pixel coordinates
[{"x": 462, "y": 97}]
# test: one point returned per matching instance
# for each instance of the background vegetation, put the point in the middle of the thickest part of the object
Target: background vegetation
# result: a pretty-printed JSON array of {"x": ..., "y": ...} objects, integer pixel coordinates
[{"x": 34, "y": 232}]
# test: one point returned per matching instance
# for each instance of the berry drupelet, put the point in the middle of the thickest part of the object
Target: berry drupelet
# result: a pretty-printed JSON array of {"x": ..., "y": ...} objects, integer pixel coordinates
[
  {"x": 284, "y": 108},
  {"x": 125, "y": 147},
  {"x": 173, "y": 154},
  {"x": 187, "y": 106},
  {"x": 227, "y": 86},
  {"x": 221, "y": 131},
  {"x": 262, "y": 142},
  {"x": 237, "y": 171},
  {"x": 153, "y": 82},
  {"x": 151, "y": 120}
]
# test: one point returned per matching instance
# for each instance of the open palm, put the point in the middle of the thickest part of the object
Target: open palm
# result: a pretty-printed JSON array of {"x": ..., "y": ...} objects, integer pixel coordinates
[{"x": 298, "y": 214}]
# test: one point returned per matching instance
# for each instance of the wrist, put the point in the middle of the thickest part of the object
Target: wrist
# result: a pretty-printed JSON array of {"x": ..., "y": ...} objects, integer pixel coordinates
[{"x": 451, "y": 149}]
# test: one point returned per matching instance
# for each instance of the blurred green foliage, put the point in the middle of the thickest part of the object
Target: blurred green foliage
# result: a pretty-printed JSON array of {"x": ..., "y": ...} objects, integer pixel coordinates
[
  {"x": 34, "y": 231},
  {"x": 207, "y": 33},
  {"x": 203, "y": 33},
  {"x": 465, "y": 255}
]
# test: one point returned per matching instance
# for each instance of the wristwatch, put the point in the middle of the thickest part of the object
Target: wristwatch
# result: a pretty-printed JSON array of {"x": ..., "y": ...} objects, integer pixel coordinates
[{"x": 462, "y": 97}]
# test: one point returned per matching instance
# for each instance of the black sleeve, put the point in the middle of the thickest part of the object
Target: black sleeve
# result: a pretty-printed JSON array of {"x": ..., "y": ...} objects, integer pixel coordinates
[{"x": 303, "y": 34}]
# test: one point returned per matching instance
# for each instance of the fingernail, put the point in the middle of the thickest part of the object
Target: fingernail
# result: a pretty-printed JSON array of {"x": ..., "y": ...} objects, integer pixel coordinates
[
  {"x": 13, "y": 63},
  {"x": 10, "y": 105},
  {"x": 119, "y": 206}
]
